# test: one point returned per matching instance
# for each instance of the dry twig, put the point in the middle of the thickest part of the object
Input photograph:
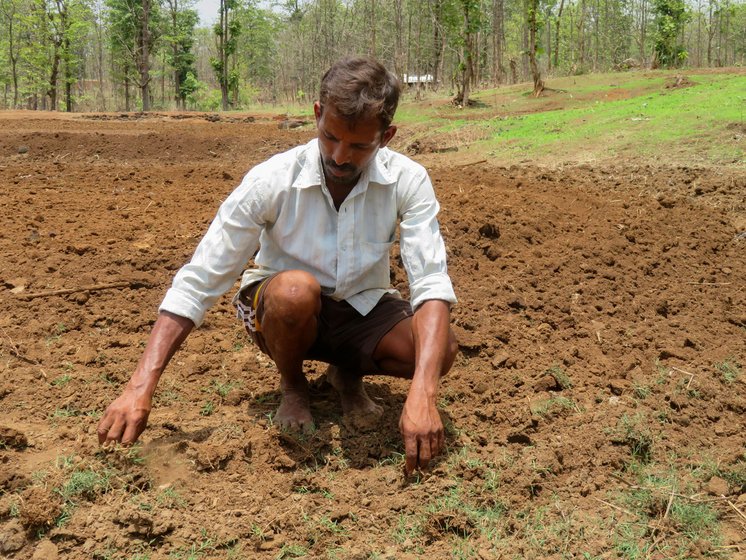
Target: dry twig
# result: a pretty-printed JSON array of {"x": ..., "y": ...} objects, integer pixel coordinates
[
  {"x": 738, "y": 511},
  {"x": 615, "y": 506}
]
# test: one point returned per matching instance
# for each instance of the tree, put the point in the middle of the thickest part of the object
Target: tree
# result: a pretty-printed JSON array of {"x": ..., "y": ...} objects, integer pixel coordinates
[
  {"x": 9, "y": 12},
  {"x": 227, "y": 31},
  {"x": 179, "y": 36},
  {"x": 670, "y": 18},
  {"x": 533, "y": 22},
  {"x": 135, "y": 29}
]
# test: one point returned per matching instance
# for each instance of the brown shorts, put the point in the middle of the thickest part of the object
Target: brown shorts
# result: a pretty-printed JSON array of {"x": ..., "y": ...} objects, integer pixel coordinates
[{"x": 345, "y": 338}]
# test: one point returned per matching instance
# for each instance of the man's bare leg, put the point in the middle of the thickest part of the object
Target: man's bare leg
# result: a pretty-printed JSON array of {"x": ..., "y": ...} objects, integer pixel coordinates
[
  {"x": 357, "y": 407},
  {"x": 292, "y": 302}
]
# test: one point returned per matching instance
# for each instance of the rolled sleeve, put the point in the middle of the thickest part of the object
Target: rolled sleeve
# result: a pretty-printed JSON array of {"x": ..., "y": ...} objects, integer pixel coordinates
[{"x": 422, "y": 247}]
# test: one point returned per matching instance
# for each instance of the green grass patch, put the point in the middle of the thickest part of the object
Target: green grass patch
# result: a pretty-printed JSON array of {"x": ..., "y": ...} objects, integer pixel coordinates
[
  {"x": 671, "y": 520},
  {"x": 597, "y": 117},
  {"x": 729, "y": 369}
]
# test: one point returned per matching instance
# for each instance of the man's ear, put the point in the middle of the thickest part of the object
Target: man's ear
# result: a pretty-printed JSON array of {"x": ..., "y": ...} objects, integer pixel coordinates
[
  {"x": 317, "y": 111},
  {"x": 388, "y": 134}
]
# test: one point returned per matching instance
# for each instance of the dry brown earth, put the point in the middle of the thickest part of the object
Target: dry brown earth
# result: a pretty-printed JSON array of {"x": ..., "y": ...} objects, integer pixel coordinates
[{"x": 600, "y": 311}]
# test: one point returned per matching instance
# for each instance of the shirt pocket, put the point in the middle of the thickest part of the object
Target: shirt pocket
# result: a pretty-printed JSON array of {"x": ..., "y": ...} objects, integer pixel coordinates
[{"x": 374, "y": 264}]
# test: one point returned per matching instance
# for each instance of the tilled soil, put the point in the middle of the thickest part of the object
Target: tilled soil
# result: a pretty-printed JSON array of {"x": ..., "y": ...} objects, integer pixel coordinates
[{"x": 602, "y": 327}]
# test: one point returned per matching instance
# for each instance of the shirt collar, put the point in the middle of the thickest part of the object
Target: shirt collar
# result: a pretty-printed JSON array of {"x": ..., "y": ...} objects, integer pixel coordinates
[{"x": 310, "y": 173}]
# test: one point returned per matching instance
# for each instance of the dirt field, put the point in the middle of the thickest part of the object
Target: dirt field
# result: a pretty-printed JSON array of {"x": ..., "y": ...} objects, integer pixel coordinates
[{"x": 596, "y": 409}]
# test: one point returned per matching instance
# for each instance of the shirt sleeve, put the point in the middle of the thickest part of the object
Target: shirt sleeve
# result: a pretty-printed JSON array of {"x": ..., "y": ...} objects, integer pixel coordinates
[
  {"x": 231, "y": 240},
  {"x": 422, "y": 248}
]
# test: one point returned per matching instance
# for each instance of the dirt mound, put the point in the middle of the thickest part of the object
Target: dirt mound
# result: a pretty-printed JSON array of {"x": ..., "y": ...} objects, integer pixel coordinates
[
  {"x": 679, "y": 81},
  {"x": 596, "y": 406}
]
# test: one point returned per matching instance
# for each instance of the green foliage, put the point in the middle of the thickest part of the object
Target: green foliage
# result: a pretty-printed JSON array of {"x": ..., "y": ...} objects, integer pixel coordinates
[
  {"x": 662, "y": 494},
  {"x": 671, "y": 16},
  {"x": 179, "y": 39},
  {"x": 634, "y": 432},
  {"x": 559, "y": 375},
  {"x": 208, "y": 407},
  {"x": 729, "y": 369}
]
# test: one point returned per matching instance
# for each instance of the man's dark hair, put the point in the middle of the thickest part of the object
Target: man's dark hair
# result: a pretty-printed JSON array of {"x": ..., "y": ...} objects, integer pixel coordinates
[{"x": 360, "y": 87}]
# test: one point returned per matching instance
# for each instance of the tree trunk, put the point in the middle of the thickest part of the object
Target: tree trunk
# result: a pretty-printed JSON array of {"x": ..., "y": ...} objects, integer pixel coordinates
[
  {"x": 144, "y": 49},
  {"x": 53, "y": 77},
  {"x": 498, "y": 40},
  {"x": 557, "y": 34},
  {"x": 222, "y": 52},
  {"x": 533, "y": 28},
  {"x": 68, "y": 79},
  {"x": 127, "y": 91}
]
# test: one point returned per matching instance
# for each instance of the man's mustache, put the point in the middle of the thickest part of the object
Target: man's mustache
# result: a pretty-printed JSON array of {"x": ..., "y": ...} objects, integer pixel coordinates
[{"x": 345, "y": 167}]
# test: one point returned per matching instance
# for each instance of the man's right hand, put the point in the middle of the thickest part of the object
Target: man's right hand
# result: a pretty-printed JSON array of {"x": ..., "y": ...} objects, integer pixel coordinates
[{"x": 125, "y": 418}]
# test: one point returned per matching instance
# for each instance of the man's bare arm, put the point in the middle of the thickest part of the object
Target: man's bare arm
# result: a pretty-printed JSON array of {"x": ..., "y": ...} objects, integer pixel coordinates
[
  {"x": 420, "y": 423},
  {"x": 126, "y": 417}
]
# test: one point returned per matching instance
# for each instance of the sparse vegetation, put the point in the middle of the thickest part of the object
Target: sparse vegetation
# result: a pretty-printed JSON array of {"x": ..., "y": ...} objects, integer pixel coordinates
[
  {"x": 634, "y": 432},
  {"x": 729, "y": 369},
  {"x": 559, "y": 375}
]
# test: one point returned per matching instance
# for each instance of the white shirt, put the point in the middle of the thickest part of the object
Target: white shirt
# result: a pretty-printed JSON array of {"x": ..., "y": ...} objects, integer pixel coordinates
[{"x": 283, "y": 208}]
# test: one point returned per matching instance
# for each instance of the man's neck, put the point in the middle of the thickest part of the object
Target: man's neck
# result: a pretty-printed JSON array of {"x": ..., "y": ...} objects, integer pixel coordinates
[{"x": 339, "y": 192}]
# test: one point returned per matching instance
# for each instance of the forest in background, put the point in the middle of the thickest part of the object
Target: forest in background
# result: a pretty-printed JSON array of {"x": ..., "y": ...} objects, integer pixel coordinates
[{"x": 114, "y": 55}]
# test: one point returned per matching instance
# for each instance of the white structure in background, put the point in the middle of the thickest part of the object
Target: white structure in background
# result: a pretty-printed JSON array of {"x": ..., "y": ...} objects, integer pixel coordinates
[{"x": 418, "y": 81}]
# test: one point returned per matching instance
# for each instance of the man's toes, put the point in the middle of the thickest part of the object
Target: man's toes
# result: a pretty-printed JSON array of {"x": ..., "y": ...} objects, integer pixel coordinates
[
  {"x": 308, "y": 427},
  {"x": 376, "y": 409}
]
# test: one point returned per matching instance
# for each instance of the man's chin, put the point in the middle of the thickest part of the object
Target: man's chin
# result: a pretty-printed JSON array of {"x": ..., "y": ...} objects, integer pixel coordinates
[{"x": 345, "y": 179}]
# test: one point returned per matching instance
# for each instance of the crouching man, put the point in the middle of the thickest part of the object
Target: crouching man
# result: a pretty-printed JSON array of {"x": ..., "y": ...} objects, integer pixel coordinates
[{"x": 323, "y": 217}]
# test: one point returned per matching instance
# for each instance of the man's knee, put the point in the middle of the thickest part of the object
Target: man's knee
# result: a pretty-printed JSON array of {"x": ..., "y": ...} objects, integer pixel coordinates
[{"x": 292, "y": 297}]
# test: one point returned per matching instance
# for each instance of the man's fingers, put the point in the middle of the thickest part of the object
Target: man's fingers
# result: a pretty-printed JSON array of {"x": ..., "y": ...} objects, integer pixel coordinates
[
  {"x": 425, "y": 453},
  {"x": 410, "y": 453},
  {"x": 131, "y": 433},
  {"x": 116, "y": 431},
  {"x": 103, "y": 429},
  {"x": 435, "y": 444}
]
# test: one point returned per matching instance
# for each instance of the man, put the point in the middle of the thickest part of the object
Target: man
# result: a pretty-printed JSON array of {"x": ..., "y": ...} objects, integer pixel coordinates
[{"x": 323, "y": 217}]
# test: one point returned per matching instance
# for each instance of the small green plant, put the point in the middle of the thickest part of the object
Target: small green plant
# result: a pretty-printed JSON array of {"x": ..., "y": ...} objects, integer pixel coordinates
[
  {"x": 663, "y": 495},
  {"x": 207, "y": 408},
  {"x": 409, "y": 528},
  {"x": 663, "y": 372},
  {"x": 554, "y": 405},
  {"x": 292, "y": 551},
  {"x": 65, "y": 412},
  {"x": 170, "y": 498},
  {"x": 62, "y": 380},
  {"x": 258, "y": 533},
  {"x": 729, "y": 369},
  {"x": 84, "y": 483},
  {"x": 167, "y": 397},
  {"x": 634, "y": 432},
  {"x": 559, "y": 375},
  {"x": 222, "y": 389},
  {"x": 641, "y": 391}
]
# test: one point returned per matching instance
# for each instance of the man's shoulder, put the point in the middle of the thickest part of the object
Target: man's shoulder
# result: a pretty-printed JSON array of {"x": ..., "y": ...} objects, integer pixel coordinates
[
  {"x": 398, "y": 163},
  {"x": 394, "y": 168}
]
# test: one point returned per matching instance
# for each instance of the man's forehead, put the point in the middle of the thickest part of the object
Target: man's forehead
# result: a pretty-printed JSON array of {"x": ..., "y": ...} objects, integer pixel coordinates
[
  {"x": 367, "y": 118},
  {"x": 363, "y": 130}
]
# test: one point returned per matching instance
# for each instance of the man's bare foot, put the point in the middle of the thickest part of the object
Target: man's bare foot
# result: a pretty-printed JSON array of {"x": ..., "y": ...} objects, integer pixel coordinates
[
  {"x": 294, "y": 412},
  {"x": 358, "y": 408}
]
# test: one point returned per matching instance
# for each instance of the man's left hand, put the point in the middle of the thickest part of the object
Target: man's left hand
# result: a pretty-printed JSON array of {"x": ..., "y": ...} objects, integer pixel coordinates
[{"x": 422, "y": 430}]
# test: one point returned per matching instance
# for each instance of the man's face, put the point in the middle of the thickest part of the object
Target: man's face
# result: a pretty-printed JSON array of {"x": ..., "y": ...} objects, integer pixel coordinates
[{"x": 348, "y": 147}]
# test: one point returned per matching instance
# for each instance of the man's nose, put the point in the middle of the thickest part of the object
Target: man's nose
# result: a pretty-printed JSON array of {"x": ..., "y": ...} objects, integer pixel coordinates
[{"x": 341, "y": 154}]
